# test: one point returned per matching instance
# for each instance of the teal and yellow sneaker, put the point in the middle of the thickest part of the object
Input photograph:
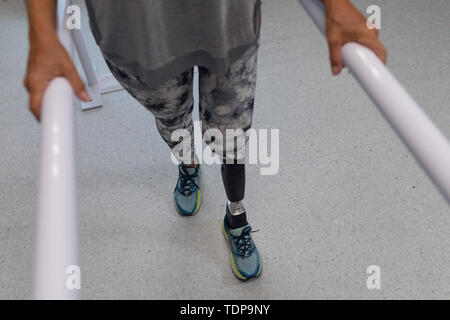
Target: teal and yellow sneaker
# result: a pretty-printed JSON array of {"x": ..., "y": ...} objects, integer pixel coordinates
[
  {"x": 187, "y": 193},
  {"x": 244, "y": 258}
]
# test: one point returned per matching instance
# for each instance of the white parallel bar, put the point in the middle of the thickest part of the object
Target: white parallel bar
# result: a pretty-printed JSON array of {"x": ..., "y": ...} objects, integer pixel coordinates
[
  {"x": 425, "y": 141},
  {"x": 84, "y": 57},
  {"x": 96, "y": 85},
  {"x": 56, "y": 261}
]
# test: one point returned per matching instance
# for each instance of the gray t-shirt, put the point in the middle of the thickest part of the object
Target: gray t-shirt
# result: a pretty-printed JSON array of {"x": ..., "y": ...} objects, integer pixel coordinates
[{"x": 159, "y": 39}]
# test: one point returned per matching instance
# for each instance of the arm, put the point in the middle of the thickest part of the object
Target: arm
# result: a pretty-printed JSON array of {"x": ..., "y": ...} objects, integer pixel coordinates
[
  {"x": 47, "y": 57},
  {"x": 344, "y": 23}
]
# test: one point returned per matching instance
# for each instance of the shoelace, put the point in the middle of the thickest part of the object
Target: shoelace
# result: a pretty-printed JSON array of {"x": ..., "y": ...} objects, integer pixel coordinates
[
  {"x": 244, "y": 243},
  {"x": 187, "y": 183}
]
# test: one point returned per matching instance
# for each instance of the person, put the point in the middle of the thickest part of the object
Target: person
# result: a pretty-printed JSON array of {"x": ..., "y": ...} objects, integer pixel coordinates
[{"x": 151, "y": 47}]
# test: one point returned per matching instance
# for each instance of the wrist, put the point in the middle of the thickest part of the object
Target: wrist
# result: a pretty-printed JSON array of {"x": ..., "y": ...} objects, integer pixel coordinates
[
  {"x": 42, "y": 37},
  {"x": 335, "y": 5},
  {"x": 337, "y": 10},
  {"x": 333, "y": 2}
]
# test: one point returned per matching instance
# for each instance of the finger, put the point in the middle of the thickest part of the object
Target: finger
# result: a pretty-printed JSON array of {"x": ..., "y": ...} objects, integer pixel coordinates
[
  {"x": 77, "y": 84},
  {"x": 382, "y": 53},
  {"x": 335, "y": 57},
  {"x": 35, "y": 101}
]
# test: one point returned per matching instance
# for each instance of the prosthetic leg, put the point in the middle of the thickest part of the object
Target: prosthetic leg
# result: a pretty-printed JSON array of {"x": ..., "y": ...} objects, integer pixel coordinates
[
  {"x": 233, "y": 177},
  {"x": 244, "y": 258}
]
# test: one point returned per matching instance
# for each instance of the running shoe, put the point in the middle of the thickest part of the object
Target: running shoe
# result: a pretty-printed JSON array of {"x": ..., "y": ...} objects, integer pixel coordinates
[
  {"x": 187, "y": 193},
  {"x": 244, "y": 257}
]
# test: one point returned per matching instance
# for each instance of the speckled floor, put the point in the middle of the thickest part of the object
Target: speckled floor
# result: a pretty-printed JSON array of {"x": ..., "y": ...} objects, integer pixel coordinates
[{"x": 348, "y": 194}]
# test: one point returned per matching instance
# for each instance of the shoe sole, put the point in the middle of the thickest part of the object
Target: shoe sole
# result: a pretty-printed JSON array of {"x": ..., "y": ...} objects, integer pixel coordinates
[
  {"x": 199, "y": 202},
  {"x": 232, "y": 264}
]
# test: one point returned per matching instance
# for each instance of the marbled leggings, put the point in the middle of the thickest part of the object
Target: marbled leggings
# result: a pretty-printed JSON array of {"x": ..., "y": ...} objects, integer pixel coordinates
[{"x": 225, "y": 101}]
